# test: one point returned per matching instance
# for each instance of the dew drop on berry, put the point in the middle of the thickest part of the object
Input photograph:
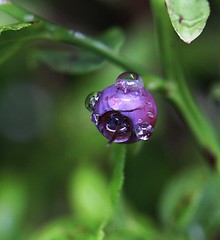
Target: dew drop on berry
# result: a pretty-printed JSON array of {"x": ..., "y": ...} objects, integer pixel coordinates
[
  {"x": 91, "y": 100},
  {"x": 129, "y": 82},
  {"x": 95, "y": 118},
  {"x": 150, "y": 114},
  {"x": 144, "y": 131},
  {"x": 128, "y": 76}
]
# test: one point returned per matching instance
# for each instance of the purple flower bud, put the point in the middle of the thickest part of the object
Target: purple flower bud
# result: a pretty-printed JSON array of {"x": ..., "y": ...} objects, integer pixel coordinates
[{"x": 124, "y": 112}]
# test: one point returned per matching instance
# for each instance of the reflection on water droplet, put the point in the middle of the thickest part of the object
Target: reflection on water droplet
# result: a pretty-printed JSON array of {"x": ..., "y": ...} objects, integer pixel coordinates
[
  {"x": 144, "y": 131},
  {"x": 91, "y": 100},
  {"x": 150, "y": 114},
  {"x": 95, "y": 118},
  {"x": 149, "y": 104},
  {"x": 128, "y": 76}
]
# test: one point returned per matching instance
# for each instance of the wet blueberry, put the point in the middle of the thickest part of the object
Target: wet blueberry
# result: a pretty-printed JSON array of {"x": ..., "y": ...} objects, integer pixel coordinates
[{"x": 124, "y": 112}]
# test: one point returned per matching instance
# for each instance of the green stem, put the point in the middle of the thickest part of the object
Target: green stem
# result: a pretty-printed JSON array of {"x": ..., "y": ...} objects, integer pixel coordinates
[{"x": 180, "y": 93}]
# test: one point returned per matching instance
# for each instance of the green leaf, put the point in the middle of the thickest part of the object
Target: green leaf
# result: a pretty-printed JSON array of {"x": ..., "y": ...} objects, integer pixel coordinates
[
  {"x": 129, "y": 224},
  {"x": 78, "y": 61},
  {"x": 89, "y": 195},
  {"x": 13, "y": 201},
  {"x": 11, "y": 39},
  {"x": 68, "y": 229},
  {"x": 181, "y": 197},
  {"x": 188, "y": 17},
  {"x": 207, "y": 214}
]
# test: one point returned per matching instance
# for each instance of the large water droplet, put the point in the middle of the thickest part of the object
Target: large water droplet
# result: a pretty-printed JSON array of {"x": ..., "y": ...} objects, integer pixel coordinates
[
  {"x": 144, "y": 131},
  {"x": 128, "y": 76},
  {"x": 91, "y": 100},
  {"x": 128, "y": 82}
]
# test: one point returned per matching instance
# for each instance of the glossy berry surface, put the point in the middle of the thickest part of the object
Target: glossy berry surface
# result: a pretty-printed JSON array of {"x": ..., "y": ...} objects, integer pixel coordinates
[{"x": 124, "y": 112}]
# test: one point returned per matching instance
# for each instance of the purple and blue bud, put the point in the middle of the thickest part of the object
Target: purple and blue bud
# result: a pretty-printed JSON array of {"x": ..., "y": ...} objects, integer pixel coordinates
[{"x": 124, "y": 112}]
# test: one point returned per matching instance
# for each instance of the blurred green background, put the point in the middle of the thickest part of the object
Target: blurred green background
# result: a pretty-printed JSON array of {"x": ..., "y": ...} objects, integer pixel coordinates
[{"x": 48, "y": 145}]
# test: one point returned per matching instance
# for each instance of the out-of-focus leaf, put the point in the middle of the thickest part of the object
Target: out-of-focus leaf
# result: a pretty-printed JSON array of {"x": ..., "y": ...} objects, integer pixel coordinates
[
  {"x": 89, "y": 195},
  {"x": 207, "y": 215},
  {"x": 8, "y": 49},
  {"x": 128, "y": 224},
  {"x": 181, "y": 197},
  {"x": 78, "y": 61},
  {"x": 13, "y": 200},
  {"x": 215, "y": 91},
  {"x": 9, "y": 43},
  {"x": 68, "y": 229},
  {"x": 188, "y": 17}
]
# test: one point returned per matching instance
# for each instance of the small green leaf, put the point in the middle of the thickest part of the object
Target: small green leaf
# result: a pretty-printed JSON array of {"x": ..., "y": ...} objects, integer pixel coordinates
[
  {"x": 188, "y": 17},
  {"x": 78, "y": 61}
]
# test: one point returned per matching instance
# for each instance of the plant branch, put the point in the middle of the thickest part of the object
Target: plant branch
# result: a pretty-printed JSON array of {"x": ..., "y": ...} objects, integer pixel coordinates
[
  {"x": 53, "y": 32},
  {"x": 180, "y": 93}
]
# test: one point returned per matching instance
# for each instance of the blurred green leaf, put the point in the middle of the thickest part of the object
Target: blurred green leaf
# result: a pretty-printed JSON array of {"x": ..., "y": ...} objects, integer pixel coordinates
[
  {"x": 8, "y": 49},
  {"x": 188, "y": 17},
  {"x": 215, "y": 91},
  {"x": 78, "y": 61},
  {"x": 13, "y": 200},
  {"x": 89, "y": 195},
  {"x": 180, "y": 199},
  {"x": 68, "y": 229},
  {"x": 130, "y": 225},
  {"x": 10, "y": 43},
  {"x": 207, "y": 214}
]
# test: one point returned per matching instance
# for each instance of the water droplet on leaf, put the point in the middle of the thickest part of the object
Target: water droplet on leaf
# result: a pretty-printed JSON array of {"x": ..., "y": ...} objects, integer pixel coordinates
[{"x": 144, "y": 131}]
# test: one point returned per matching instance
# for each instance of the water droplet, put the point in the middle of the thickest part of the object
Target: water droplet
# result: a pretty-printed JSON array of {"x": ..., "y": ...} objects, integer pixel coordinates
[
  {"x": 95, "y": 118},
  {"x": 91, "y": 100},
  {"x": 150, "y": 105},
  {"x": 150, "y": 114},
  {"x": 128, "y": 82},
  {"x": 144, "y": 131},
  {"x": 128, "y": 76}
]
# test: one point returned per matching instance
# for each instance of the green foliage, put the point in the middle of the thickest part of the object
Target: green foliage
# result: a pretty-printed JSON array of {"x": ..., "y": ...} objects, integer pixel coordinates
[
  {"x": 188, "y": 17},
  {"x": 64, "y": 182},
  {"x": 78, "y": 61},
  {"x": 89, "y": 195}
]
